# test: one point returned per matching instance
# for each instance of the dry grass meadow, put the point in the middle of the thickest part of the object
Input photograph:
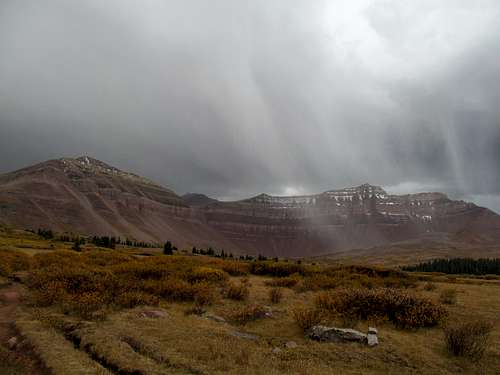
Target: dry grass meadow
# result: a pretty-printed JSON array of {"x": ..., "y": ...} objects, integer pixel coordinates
[{"x": 102, "y": 311}]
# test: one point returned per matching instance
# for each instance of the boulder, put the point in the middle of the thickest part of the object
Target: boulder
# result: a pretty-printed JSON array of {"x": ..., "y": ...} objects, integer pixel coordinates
[
  {"x": 333, "y": 334},
  {"x": 372, "y": 339},
  {"x": 291, "y": 345},
  {"x": 152, "y": 314},
  {"x": 215, "y": 318},
  {"x": 244, "y": 335}
]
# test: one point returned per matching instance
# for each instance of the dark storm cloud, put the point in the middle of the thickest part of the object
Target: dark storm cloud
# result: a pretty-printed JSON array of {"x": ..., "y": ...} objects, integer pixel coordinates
[{"x": 232, "y": 98}]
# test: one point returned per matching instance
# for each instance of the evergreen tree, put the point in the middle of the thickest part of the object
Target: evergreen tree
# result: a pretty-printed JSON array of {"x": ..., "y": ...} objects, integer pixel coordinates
[
  {"x": 167, "y": 248},
  {"x": 76, "y": 245}
]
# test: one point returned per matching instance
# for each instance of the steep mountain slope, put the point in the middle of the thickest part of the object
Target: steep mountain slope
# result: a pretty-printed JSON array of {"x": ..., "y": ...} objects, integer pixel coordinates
[
  {"x": 361, "y": 216},
  {"x": 87, "y": 196}
]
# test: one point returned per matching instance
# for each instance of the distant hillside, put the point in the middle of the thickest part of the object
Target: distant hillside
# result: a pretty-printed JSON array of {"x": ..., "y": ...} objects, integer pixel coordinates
[
  {"x": 88, "y": 196},
  {"x": 193, "y": 199}
]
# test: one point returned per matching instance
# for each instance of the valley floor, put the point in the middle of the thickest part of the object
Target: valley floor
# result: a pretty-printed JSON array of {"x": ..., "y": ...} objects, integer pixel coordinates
[{"x": 164, "y": 339}]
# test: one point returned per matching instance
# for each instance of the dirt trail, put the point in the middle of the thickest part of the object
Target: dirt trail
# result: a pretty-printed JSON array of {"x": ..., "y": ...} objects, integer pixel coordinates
[{"x": 19, "y": 358}]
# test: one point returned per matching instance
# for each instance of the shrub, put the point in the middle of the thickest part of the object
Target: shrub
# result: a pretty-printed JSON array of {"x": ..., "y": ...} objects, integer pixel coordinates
[
  {"x": 136, "y": 298},
  {"x": 235, "y": 268},
  {"x": 13, "y": 261},
  {"x": 207, "y": 274},
  {"x": 275, "y": 295},
  {"x": 204, "y": 294},
  {"x": 403, "y": 309},
  {"x": 246, "y": 314},
  {"x": 429, "y": 286},
  {"x": 307, "y": 317},
  {"x": 468, "y": 339},
  {"x": 196, "y": 309},
  {"x": 355, "y": 277},
  {"x": 277, "y": 269},
  {"x": 324, "y": 301},
  {"x": 318, "y": 282},
  {"x": 448, "y": 296},
  {"x": 284, "y": 282},
  {"x": 237, "y": 292}
]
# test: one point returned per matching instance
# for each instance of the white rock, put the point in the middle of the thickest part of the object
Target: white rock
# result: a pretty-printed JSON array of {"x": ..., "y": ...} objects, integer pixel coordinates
[
  {"x": 372, "y": 339},
  {"x": 12, "y": 342}
]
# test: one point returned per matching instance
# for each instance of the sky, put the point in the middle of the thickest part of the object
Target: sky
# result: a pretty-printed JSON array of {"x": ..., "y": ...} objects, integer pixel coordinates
[{"x": 232, "y": 98}]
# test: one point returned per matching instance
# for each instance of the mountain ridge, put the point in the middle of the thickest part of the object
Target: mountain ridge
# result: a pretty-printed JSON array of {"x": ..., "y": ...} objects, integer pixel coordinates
[{"x": 88, "y": 196}]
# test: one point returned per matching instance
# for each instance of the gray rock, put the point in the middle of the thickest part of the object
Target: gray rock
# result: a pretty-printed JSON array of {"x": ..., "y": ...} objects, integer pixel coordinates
[
  {"x": 372, "y": 339},
  {"x": 372, "y": 330},
  {"x": 12, "y": 343},
  {"x": 276, "y": 350},
  {"x": 215, "y": 318},
  {"x": 291, "y": 345},
  {"x": 152, "y": 314},
  {"x": 333, "y": 334},
  {"x": 244, "y": 335}
]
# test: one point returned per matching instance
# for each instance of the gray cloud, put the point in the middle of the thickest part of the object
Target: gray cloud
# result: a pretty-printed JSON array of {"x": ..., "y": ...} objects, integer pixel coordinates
[{"x": 232, "y": 98}]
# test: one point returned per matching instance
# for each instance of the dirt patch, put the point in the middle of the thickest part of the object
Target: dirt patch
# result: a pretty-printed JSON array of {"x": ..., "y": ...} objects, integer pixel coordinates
[{"x": 16, "y": 355}]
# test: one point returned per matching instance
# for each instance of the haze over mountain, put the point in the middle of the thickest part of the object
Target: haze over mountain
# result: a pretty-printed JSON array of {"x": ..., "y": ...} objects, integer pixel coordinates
[
  {"x": 229, "y": 98},
  {"x": 87, "y": 196}
]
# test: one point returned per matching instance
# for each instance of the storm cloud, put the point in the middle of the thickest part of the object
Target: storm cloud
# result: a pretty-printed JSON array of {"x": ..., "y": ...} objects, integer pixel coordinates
[{"x": 233, "y": 98}]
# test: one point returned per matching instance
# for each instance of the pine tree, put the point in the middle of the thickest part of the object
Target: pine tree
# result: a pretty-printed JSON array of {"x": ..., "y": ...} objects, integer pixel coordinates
[
  {"x": 167, "y": 248},
  {"x": 76, "y": 245}
]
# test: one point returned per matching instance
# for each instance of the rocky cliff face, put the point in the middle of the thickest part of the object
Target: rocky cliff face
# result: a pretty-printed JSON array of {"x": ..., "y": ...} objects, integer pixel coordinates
[
  {"x": 340, "y": 219},
  {"x": 87, "y": 196}
]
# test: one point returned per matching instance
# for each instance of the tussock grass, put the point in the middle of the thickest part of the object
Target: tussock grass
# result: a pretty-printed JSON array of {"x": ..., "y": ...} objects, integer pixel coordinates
[
  {"x": 237, "y": 292},
  {"x": 275, "y": 295},
  {"x": 468, "y": 339},
  {"x": 245, "y": 314},
  {"x": 307, "y": 317},
  {"x": 448, "y": 296},
  {"x": 284, "y": 282}
]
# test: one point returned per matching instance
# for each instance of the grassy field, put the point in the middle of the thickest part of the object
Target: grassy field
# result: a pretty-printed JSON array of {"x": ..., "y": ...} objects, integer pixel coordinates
[{"x": 114, "y": 312}]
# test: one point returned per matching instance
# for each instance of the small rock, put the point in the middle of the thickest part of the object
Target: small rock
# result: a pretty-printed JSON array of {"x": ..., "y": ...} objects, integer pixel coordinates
[
  {"x": 276, "y": 350},
  {"x": 215, "y": 318},
  {"x": 12, "y": 343},
  {"x": 333, "y": 334},
  {"x": 291, "y": 345},
  {"x": 153, "y": 314},
  {"x": 269, "y": 311},
  {"x": 244, "y": 335},
  {"x": 372, "y": 339},
  {"x": 372, "y": 330}
]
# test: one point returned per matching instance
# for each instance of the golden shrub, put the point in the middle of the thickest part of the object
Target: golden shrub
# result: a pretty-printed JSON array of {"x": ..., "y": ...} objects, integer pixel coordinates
[
  {"x": 235, "y": 268},
  {"x": 245, "y": 314},
  {"x": 238, "y": 292},
  {"x": 13, "y": 261},
  {"x": 284, "y": 282},
  {"x": 208, "y": 274},
  {"x": 402, "y": 308}
]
